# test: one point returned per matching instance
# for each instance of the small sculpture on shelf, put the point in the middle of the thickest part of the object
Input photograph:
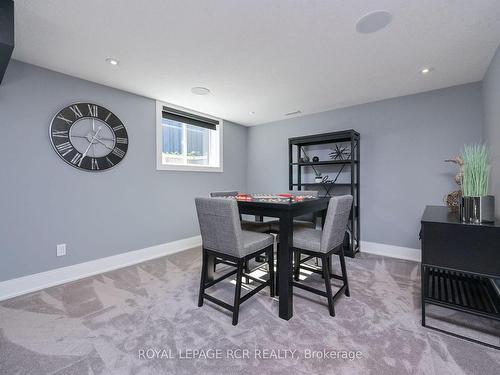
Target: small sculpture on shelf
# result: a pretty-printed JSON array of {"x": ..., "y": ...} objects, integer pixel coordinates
[
  {"x": 453, "y": 199},
  {"x": 340, "y": 153}
]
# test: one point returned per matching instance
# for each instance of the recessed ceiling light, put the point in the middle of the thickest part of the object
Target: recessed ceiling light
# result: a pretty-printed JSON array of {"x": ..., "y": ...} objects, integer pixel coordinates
[
  {"x": 112, "y": 61},
  {"x": 200, "y": 91},
  {"x": 426, "y": 70},
  {"x": 373, "y": 22},
  {"x": 293, "y": 113}
]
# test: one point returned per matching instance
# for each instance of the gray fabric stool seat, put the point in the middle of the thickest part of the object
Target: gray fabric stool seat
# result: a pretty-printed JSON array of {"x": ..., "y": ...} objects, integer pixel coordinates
[
  {"x": 323, "y": 244},
  {"x": 222, "y": 237},
  {"x": 307, "y": 239},
  {"x": 253, "y": 241}
]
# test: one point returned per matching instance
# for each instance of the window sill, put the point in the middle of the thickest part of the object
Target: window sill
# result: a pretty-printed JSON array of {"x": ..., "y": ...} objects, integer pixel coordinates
[{"x": 186, "y": 168}]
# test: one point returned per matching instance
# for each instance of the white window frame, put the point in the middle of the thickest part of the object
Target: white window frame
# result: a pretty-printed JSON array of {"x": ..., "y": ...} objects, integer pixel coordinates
[{"x": 185, "y": 167}]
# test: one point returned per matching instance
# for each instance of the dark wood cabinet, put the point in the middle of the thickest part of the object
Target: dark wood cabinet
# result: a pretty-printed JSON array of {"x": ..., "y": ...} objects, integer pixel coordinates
[{"x": 460, "y": 263}]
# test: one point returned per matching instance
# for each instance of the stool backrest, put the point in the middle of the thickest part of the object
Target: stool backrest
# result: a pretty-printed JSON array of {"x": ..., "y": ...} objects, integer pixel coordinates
[
  {"x": 220, "y": 225},
  {"x": 337, "y": 217},
  {"x": 215, "y": 194}
]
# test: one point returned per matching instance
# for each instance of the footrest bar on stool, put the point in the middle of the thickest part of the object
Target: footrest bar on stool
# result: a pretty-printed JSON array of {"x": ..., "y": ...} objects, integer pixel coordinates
[
  {"x": 254, "y": 278},
  {"x": 219, "y": 302},
  {"x": 256, "y": 290},
  {"x": 315, "y": 270},
  {"x": 307, "y": 258},
  {"x": 339, "y": 292},
  {"x": 309, "y": 289},
  {"x": 213, "y": 282}
]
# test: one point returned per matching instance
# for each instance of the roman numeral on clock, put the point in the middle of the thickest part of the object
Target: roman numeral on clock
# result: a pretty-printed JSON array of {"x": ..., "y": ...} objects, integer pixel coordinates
[
  {"x": 64, "y": 148},
  {"x": 77, "y": 159},
  {"x": 118, "y": 127},
  {"x": 93, "y": 110},
  {"x": 78, "y": 114},
  {"x": 95, "y": 165},
  {"x": 123, "y": 141},
  {"x": 60, "y": 134},
  {"x": 68, "y": 121},
  {"x": 118, "y": 152},
  {"x": 110, "y": 162}
]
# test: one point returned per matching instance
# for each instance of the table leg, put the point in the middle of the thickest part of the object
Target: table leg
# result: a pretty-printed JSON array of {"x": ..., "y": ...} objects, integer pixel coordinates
[{"x": 285, "y": 267}]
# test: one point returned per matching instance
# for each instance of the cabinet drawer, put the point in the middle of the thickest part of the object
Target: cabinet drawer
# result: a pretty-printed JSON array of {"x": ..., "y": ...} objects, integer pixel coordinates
[{"x": 462, "y": 247}]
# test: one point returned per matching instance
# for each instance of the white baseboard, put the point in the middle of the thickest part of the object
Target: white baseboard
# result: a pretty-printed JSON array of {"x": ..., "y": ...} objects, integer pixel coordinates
[
  {"x": 392, "y": 251},
  {"x": 32, "y": 283}
]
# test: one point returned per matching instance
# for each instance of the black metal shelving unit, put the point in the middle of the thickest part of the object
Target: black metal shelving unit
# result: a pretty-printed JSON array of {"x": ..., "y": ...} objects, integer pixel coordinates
[{"x": 297, "y": 146}]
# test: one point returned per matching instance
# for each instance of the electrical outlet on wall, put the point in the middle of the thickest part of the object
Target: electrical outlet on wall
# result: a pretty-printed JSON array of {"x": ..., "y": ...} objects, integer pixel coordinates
[{"x": 61, "y": 250}]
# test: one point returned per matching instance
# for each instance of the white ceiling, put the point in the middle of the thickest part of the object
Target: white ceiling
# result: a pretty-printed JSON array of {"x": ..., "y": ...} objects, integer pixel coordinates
[{"x": 266, "y": 56}]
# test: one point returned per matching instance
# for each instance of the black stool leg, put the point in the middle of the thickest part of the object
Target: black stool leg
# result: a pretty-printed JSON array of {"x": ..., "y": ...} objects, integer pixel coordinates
[
  {"x": 344, "y": 272},
  {"x": 237, "y": 293},
  {"x": 328, "y": 285},
  {"x": 277, "y": 289},
  {"x": 203, "y": 277},
  {"x": 296, "y": 265},
  {"x": 270, "y": 264},
  {"x": 247, "y": 270}
]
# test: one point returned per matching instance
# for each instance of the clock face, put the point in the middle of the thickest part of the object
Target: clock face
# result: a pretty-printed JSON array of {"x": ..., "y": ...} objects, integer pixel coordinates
[{"x": 88, "y": 137}]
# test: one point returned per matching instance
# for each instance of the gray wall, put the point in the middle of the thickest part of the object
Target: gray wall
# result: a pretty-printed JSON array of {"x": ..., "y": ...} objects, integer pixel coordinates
[
  {"x": 491, "y": 98},
  {"x": 43, "y": 201},
  {"x": 404, "y": 142}
]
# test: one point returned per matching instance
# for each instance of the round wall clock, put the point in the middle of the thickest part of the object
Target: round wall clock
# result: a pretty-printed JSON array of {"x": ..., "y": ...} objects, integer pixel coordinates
[{"x": 88, "y": 137}]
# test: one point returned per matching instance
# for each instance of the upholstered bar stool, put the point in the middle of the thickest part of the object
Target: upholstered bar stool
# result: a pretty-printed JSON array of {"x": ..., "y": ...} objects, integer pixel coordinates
[
  {"x": 323, "y": 244},
  {"x": 253, "y": 226},
  {"x": 222, "y": 237}
]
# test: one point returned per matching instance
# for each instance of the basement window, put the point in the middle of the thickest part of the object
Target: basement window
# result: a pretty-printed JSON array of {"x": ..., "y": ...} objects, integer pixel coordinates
[{"x": 187, "y": 140}]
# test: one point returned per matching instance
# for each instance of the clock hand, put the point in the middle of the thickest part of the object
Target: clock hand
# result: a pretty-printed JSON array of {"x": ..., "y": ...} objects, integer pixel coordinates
[
  {"x": 85, "y": 137},
  {"x": 93, "y": 129},
  {"x": 91, "y": 142},
  {"x": 104, "y": 144}
]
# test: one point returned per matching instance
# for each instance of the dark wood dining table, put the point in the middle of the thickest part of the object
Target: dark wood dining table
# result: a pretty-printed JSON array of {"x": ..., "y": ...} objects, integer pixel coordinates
[{"x": 285, "y": 210}]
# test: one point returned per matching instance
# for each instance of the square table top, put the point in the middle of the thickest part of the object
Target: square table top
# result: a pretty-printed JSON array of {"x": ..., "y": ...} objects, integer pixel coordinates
[{"x": 280, "y": 202}]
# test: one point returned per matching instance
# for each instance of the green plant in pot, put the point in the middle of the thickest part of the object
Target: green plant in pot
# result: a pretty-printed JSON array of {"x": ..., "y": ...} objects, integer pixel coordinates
[{"x": 476, "y": 206}]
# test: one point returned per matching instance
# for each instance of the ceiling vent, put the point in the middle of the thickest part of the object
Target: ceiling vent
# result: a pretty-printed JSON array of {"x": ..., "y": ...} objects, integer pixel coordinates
[{"x": 6, "y": 34}]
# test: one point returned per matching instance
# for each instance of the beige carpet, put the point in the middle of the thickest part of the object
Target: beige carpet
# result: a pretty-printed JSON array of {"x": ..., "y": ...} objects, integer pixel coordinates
[{"x": 112, "y": 323}]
